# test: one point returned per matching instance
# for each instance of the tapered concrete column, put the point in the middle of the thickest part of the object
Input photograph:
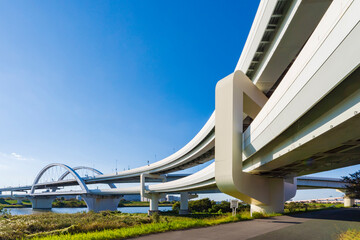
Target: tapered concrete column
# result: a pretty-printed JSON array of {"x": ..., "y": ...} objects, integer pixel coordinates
[
  {"x": 42, "y": 202},
  {"x": 236, "y": 95},
  {"x": 348, "y": 201},
  {"x": 99, "y": 203},
  {"x": 19, "y": 201},
  {"x": 154, "y": 203},
  {"x": 184, "y": 203},
  {"x": 275, "y": 198}
]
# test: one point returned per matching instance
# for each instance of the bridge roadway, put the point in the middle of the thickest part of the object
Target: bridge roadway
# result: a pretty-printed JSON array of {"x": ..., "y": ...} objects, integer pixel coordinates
[
  {"x": 298, "y": 104},
  {"x": 88, "y": 180},
  {"x": 200, "y": 182}
]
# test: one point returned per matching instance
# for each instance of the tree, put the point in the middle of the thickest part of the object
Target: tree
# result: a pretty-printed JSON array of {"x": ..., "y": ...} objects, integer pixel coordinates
[
  {"x": 353, "y": 184},
  {"x": 201, "y": 205}
]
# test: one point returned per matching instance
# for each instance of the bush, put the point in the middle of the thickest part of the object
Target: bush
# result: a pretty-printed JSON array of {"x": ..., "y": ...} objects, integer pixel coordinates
[
  {"x": 222, "y": 207},
  {"x": 207, "y": 206},
  {"x": 201, "y": 205},
  {"x": 155, "y": 217},
  {"x": 176, "y": 207},
  {"x": 258, "y": 215}
]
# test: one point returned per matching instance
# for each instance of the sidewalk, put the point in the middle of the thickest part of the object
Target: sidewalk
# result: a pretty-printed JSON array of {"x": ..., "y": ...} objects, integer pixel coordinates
[{"x": 326, "y": 224}]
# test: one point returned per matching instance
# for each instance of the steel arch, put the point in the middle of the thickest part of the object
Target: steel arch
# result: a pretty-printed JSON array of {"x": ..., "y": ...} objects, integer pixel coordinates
[
  {"x": 69, "y": 169},
  {"x": 111, "y": 185}
]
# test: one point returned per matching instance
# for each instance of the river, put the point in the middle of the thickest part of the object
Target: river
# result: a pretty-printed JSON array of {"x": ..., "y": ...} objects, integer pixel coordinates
[{"x": 27, "y": 211}]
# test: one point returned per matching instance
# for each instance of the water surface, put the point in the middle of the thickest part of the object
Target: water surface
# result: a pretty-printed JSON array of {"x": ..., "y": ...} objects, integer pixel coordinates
[{"x": 27, "y": 211}]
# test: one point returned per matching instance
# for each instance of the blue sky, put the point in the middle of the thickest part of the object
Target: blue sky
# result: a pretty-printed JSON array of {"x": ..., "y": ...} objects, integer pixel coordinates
[{"x": 95, "y": 82}]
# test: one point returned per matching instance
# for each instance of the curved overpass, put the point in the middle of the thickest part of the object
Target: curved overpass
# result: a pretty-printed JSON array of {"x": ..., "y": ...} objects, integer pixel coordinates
[
  {"x": 304, "y": 57},
  {"x": 274, "y": 31}
]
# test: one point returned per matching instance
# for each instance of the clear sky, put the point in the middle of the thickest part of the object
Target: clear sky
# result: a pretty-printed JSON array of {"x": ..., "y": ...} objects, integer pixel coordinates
[{"x": 95, "y": 82}]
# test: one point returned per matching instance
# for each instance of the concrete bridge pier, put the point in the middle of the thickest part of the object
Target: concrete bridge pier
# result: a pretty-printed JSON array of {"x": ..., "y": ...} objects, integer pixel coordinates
[
  {"x": 154, "y": 203},
  {"x": 184, "y": 202},
  {"x": 235, "y": 95},
  {"x": 99, "y": 203},
  {"x": 42, "y": 202},
  {"x": 19, "y": 201},
  {"x": 348, "y": 201},
  {"x": 154, "y": 197},
  {"x": 275, "y": 195},
  {"x": 278, "y": 191}
]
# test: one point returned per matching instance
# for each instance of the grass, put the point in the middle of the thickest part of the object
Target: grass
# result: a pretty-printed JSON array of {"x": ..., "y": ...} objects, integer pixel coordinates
[
  {"x": 115, "y": 225},
  {"x": 301, "y": 207},
  {"x": 351, "y": 234},
  {"x": 105, "y": 225},
  {"x": 142, "y": 204},
  {"x": 163, "y": 224},
  {"x": 15, "y": 227},
  {"x": 9, "y": 203},
  {"x": 72, "y": 203}
]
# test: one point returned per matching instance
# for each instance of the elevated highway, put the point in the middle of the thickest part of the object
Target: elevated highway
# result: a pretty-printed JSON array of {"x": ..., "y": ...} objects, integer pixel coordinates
[{"x": 289, "y": 109}]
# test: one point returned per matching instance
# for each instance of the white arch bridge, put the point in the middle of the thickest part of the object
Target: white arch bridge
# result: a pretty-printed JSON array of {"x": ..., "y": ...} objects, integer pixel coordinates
[
  {"x": 290, "y": 108},
  {"x": 42, "y": 193}
]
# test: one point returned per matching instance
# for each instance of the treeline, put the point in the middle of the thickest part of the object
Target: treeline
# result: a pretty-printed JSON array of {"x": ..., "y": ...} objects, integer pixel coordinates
[
  {"x": 68, "y": 203},
  {"x": 300, "y": 206},
  {"x": 205, "y": 205}
]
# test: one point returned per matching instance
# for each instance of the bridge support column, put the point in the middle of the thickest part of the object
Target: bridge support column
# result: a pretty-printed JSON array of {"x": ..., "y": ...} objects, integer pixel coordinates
[
  {"x": 42, "y": 202},
  {"x": 19, "y": 201},
  {"x": 154, "y": 203},
  {"x": 184, "y": 203},
  {"x": 275, "y": 198},
  {"x": 154, "y": 197},
  {"x": 235, "y": 95},
  {"x": 99, "y": 203},
  {"x": 348, "y": 201}
]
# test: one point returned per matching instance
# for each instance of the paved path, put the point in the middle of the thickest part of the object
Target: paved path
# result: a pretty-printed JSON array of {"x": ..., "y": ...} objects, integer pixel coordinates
[{"x": 324, "y": 225}]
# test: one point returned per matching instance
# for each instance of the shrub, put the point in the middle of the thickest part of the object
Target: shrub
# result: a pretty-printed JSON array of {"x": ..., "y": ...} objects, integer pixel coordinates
[
  {"x": 176, "y": 207},
  {"x": 156, "y": 217},
  {"x": 222, "y": 207},
  {"x": 258, "y": 215},
  {"x": 201, "y": 205}
]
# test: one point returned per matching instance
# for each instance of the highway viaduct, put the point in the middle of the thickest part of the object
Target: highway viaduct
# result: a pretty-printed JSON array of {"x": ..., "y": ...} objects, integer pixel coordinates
[{"x": 290, "y": 108}]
